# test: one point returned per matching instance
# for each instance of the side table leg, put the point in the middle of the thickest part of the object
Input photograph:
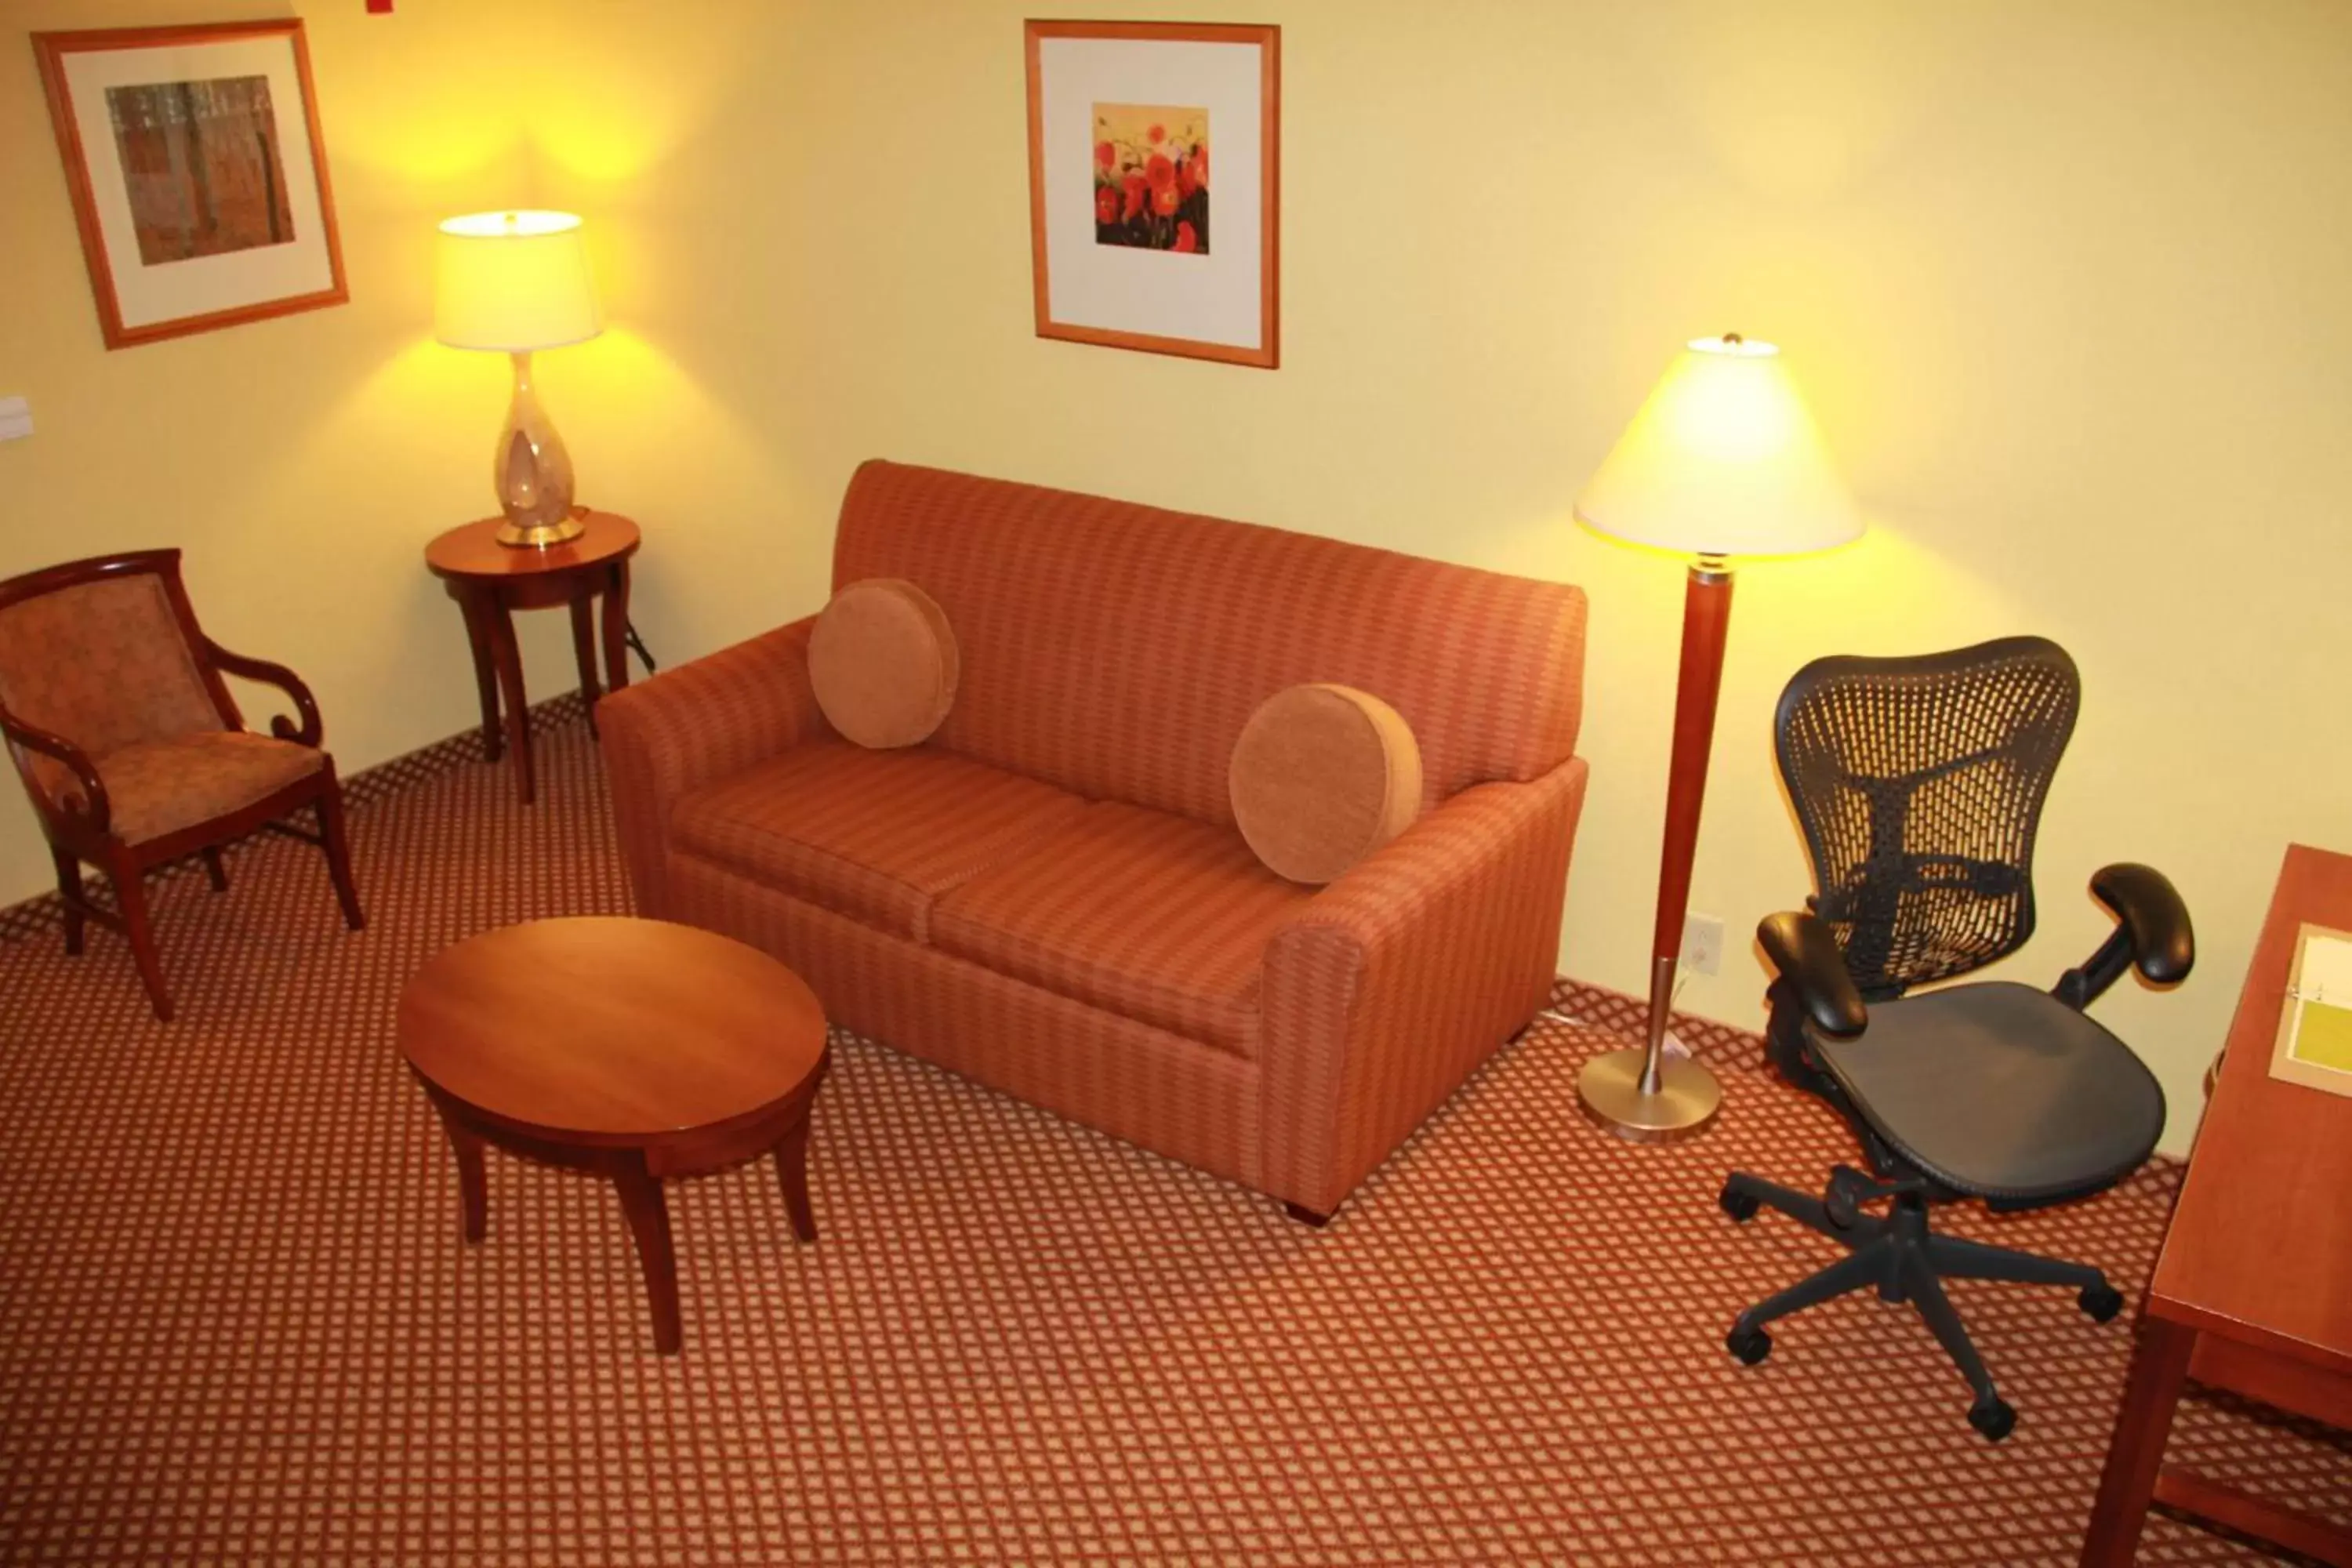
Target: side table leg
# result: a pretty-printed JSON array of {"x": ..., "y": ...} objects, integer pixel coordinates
[
  {"x": 473, "y": 1182},
  {"x": 641, "y": 1200},
  {"x": 616, "y": 629},
  {"x": 486, "y": 670},
  {"x": 791, "y": 1173},
  {"x": 583, "y": 653},
  {"x": 2136, "y": 1453},
  {"x": 509, "y": 655}
]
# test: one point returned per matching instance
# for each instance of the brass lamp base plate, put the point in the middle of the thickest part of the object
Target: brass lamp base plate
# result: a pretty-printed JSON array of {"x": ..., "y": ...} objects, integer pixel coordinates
[
  {"x": 1609, "y": 1090},
  {"x": 540, "y": 535}
]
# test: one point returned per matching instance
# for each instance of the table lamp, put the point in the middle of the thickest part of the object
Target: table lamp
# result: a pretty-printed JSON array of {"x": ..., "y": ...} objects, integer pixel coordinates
[
  {"x": 518, "y": 282},
  {"x": 1723, "y": 461}
]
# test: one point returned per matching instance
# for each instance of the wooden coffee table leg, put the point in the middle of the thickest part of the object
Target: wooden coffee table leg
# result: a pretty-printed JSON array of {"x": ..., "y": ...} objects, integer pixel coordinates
[
  {"x": 791, "y": 1172},
  {"x": 641, "y": 1200},
  {"x": 473, "y": 1182}
]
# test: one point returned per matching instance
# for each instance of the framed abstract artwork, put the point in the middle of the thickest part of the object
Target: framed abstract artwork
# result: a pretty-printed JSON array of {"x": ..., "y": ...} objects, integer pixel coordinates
[
  {"x": 1133, "y": 243},
  {"x": 197, "y": 172}
]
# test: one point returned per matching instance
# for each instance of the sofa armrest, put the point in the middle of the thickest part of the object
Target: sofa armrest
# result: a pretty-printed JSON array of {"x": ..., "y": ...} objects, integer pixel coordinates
[
  {"x": 693, "y": 725},
  {"x": 1394, "y": 983}
]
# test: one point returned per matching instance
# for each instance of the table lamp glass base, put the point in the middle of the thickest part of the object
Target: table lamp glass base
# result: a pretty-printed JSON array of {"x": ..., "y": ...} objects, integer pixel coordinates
[
  {"x": 540, "y": 535},
  {"x": 1685, "y": 1103},
  {"x": 532, "y": 472}
]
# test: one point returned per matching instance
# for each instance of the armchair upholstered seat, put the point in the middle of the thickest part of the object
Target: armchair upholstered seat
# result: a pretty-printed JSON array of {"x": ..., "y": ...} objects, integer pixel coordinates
[
  {"x": 159, "y": 787},
  {"x": 133, "y": 753}
]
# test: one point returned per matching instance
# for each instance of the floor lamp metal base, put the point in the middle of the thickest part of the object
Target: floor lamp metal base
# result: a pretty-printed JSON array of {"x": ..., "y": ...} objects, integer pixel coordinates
[{"x": 1609, "y": 1090}]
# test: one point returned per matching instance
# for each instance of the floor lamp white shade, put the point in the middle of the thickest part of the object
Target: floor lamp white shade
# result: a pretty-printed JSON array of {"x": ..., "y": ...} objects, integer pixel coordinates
[{"x": 1723, "y": 459}]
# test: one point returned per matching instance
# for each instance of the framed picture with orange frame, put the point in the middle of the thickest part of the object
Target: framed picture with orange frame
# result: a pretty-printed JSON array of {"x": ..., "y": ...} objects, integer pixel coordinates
[
  {"x": 1154, "y": 188},
  {"x": 197, "y": 172}
]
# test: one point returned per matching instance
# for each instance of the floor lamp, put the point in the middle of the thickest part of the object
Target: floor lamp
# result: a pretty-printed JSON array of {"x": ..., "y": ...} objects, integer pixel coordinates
[{"x": 1722, "y": 461}]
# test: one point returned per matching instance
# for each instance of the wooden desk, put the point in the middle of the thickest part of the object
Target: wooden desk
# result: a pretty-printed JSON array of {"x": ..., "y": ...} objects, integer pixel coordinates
[
  {"x": 2253, "y": 1291},
  {"x": 490, "y": 581}
]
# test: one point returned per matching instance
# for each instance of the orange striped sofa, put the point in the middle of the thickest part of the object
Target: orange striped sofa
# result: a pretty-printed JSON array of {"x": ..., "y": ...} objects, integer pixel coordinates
[{"x": 1050, "y": 895}]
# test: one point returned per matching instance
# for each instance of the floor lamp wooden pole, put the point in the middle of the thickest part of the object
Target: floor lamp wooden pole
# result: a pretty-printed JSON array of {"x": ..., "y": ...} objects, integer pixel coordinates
[
  {"x": 1722, "y": 460},
  {"x": 1642, "y": 1094}
]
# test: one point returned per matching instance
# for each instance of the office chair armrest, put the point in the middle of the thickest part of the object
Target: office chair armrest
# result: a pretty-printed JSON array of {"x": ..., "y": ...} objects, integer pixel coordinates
[
  {"x": 1811, "y": 964},
  {"x": 2152, "y": 933}
]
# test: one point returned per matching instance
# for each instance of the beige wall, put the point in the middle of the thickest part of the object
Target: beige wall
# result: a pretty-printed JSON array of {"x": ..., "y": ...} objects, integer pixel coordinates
[{"x": 2067, "y": 284}]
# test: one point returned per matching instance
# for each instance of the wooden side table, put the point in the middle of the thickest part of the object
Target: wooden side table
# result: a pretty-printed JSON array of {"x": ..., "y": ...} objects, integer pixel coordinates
[
  {"x": 491, "y": 581},
  {"x": 636, "y": 1049}
]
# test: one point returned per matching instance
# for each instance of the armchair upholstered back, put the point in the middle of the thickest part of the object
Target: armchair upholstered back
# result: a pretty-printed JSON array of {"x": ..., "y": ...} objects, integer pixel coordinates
[
  {"x": 1117, "y": 650},
  {"x": 101, "y": 658}
]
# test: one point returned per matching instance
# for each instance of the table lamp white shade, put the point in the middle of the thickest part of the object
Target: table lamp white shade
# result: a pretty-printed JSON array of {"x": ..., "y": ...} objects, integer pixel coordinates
[
  {"x": 514, "y": 281},
  {"x": 517, "y": 282},
  {"x": 1724, "y": 460}
]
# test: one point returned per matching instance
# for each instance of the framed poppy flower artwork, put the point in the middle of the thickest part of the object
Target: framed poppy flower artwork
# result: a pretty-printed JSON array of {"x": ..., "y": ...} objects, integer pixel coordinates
[{"x": 1126, "y": 120}]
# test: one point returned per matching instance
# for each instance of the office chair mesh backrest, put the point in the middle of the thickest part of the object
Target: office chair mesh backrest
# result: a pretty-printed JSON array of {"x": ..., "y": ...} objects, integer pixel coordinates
[{"x": 1920, "y": 785}]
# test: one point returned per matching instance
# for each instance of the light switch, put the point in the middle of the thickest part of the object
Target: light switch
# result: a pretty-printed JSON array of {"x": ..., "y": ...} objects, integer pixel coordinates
[{"x": 16, "y": 419}]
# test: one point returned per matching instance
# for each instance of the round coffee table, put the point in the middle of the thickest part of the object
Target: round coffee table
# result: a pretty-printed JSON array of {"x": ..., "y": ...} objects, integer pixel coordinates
[{"x": 637, "y": 1049}]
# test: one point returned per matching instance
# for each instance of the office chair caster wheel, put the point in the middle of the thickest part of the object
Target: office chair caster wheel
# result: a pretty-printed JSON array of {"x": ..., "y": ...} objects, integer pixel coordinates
[
  {"x": 1992, "y": 1417},
  {"x": 1741, "y": 1207},
  {"x": 1751, "y": 1345},
  {"x": 2101, "y": 1301}
]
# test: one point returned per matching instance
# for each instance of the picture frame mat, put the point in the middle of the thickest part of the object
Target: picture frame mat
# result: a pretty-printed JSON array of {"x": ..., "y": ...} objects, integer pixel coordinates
[{"x": 1208, "y": 299}]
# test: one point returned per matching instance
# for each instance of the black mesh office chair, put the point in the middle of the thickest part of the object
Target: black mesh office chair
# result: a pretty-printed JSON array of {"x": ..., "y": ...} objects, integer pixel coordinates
[{"x": 1919, "y": 783}]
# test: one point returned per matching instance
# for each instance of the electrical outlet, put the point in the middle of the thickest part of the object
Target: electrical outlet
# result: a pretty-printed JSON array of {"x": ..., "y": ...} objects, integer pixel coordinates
[{"x": 1703, "y": 944}]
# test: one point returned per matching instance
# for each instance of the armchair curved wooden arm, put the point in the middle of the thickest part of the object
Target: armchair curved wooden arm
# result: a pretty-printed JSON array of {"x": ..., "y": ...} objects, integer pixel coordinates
[
  {"x": 94, "y": 812},
  {"x": 312, "y": 729}
]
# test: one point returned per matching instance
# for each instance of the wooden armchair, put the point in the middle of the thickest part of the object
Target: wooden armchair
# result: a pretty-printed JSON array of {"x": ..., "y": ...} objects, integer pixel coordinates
[{"x": 116, "y": 715}]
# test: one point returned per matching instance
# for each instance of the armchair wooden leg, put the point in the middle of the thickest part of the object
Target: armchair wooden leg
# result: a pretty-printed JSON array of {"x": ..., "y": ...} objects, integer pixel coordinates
[
  {"x": 130, "y": 900},
  {"x": 336, "y": 840},
  {"x": 69, "y": 892},
  {"x": 215, "y": 871}
]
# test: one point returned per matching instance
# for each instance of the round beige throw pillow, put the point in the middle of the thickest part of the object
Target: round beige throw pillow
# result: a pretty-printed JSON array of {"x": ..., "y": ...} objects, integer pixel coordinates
[
  {"x": 883, "y": 660},
  {"x": 1321, "y": 778}
]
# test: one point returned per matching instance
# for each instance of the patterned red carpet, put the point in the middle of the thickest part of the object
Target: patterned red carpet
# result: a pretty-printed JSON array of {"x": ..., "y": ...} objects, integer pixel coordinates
[{"x": 236, "y": 1324}]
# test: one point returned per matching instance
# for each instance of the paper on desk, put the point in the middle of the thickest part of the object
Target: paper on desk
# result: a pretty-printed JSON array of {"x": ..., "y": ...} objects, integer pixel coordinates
[{"x": 2323, "y": 1020}]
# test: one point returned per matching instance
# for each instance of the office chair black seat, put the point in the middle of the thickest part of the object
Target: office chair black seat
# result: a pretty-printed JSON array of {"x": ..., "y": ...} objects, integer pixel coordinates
[
  {"x": 1999, "y": 1091},
  {"x": 1920, "y": 785}
]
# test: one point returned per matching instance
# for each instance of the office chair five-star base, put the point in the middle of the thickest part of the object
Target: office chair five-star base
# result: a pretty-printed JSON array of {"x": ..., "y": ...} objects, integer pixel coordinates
[{"x": 1905, "y": 1261}]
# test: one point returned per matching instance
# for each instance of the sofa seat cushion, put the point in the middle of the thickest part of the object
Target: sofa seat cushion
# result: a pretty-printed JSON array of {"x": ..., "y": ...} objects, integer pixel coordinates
[
  {"x": 878, "y": 836},
  {"x": 1151, "y": 916}
]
